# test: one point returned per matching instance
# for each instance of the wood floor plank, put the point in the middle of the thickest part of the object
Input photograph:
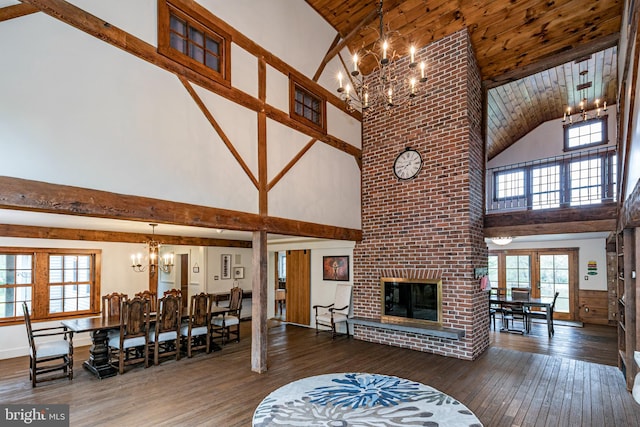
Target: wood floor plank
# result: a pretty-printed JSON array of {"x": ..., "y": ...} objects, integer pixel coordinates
[{"x": 503, "y": 386}]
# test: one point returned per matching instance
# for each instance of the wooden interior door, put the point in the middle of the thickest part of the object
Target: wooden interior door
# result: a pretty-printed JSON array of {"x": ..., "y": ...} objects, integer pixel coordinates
[{"x": 298, "y": 296}]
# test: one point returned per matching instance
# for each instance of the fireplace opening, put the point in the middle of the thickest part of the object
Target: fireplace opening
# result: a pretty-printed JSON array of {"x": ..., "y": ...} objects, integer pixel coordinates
[{"x": 411, "y": 300}]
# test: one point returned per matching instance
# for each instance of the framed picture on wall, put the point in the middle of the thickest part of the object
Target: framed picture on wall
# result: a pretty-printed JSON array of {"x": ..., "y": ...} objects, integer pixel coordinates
[
  {"x": 335, "y": 268},
  {"x": 238, "y": 272},
  {"x": 225, "y": 266}
]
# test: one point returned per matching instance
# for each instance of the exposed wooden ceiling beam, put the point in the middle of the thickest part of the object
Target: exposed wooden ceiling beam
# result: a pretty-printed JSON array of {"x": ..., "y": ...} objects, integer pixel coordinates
[
  {"x": 16, "y": 11},
  {"x": 571, "y": 220},
  {"x": 23, "y": 194},
  {"x": 554, "y": 61},
  {"x": 28, "y": 231}
]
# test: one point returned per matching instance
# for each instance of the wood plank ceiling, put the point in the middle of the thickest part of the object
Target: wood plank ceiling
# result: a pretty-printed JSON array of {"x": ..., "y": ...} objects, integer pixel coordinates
[{"x": 526, "y": 49}]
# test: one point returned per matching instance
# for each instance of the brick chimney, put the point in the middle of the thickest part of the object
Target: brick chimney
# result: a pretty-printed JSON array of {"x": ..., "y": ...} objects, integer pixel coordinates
[{"x": 434, "y": 221}]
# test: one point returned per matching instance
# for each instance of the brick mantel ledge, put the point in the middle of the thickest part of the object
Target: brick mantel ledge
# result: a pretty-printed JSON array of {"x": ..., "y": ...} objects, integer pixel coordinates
[{"x": 430, "y": 330}]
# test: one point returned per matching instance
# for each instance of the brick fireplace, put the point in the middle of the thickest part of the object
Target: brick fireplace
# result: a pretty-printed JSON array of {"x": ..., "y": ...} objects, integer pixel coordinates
[{"x": 431, "y": 226}]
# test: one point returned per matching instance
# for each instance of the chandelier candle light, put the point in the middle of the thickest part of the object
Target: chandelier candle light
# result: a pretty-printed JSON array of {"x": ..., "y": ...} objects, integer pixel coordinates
[
  {"x": 153, "y": 247},
  {"x": 582, "y": 88},
  {"x": 387, "y": 89}
]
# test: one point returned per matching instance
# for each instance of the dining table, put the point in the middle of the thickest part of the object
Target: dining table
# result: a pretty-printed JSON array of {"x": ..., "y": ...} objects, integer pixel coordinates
[
  {"x": 98, "y": 328},
  {"x": 528, "y": 303}
]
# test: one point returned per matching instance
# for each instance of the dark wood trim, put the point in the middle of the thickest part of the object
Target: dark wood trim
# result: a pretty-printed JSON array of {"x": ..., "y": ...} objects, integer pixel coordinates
[
  {"x": 555, "y": 228},
  {"x": 56, "y": 233},
  {"x": 223, "y": 136},
  {"x": 37, "y": 196},
  {"x": 552, "y": 61},
  {"x": 16, "y": 11},
  {"x": 108, "y": 33},
  {"x": 570, "y": 220},
  {"x": 263, "y": 198}
]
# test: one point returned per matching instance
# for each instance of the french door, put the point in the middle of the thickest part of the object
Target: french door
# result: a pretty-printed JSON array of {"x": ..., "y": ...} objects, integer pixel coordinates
[{"x": 544, "y": 271}]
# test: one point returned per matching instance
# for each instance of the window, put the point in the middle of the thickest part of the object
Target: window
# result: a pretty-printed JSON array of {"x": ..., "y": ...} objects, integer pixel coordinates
[
  {"x": 509, "y": 184},
  {"x": 16, "y": 276},
  {"x": 188, "y": 35},
  {"x": 545, "y": 187},
  {"x": 53, "y": 282},
  {"x": 585, "y": 134},
  {"x": 576, "y": 179},
  {"x": 586, "y": 182},
  {"x": 307, "y": 107}
]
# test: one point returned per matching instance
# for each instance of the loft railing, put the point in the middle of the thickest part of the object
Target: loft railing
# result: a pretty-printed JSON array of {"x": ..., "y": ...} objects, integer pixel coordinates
[{"x": 575, "y": 179}]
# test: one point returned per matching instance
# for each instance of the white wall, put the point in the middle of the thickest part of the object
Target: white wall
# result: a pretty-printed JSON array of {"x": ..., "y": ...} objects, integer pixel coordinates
[
  {"x": 322, "y": 291},
  {"x": 546, "y": 141},
  {"x": 90, "y": 109},
  {"x": 589, "y": 249}
]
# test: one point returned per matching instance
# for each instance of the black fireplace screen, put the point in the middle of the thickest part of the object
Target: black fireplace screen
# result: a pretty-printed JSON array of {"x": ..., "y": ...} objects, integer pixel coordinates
[{"x": 412, "y": 300}]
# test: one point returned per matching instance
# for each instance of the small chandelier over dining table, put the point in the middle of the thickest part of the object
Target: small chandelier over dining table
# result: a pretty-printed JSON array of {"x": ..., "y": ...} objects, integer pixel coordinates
[
  {"x": 581, "y": 113},
  {"x": 388, "y": 87},
  {"x": 152, "y": 259}
]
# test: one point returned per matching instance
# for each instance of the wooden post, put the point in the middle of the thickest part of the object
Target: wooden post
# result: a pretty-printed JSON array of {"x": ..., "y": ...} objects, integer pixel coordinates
[{"x": 259, "y": 303}]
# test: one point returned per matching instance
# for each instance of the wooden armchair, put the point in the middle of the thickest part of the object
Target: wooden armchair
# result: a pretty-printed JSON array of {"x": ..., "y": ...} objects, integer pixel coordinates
[
  {"x": 196, "y": 332},
  {"x": 48, "y": 356},
  {"x": 151, "y": 296},
  {"x": 338, "y": 312},
  {"x": 223, "y": 326},
  {"x": 165, "y": 335},
  {"x": 131, "y": 345}
]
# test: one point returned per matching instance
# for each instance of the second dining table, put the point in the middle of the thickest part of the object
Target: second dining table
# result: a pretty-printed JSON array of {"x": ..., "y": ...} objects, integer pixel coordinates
[
  {"x": 530, "y": 302},
  {"x": 98, "y": 328}
]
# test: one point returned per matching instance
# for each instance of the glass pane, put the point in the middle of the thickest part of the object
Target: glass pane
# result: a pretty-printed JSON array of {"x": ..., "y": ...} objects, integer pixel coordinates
[
  {"x": 196, "y": 53},
  {"x": 178, "y": 43},
  {"x": 84, "y": 291},
  {"x": 84, "y": 262},
  {"x": 213, "y": 46},
  {"x": 70, "y": 276},
  {"x": 84, "y": 275},
  {"x": 55, "y": 292},
  {"x": 196, "y": 37},
  {"x": 70, "y": 291},
  {"x": 211, "y": 61},
  {"x": 70, "y": 305},
  {"x": 6, "y": 309},
  {"x": 55, "y": 306},
  {"x": 83, "y": 303},
  {"x": 178, "y": 25}
]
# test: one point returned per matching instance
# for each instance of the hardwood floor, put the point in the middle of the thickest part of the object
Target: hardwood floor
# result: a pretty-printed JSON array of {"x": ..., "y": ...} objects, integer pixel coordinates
[{"x": 503, "y": 387}]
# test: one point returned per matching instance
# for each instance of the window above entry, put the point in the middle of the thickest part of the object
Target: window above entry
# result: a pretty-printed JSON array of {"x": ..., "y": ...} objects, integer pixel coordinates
[
  {"x": 191, "y": 38},
  {"x": 588, "y": 133}
]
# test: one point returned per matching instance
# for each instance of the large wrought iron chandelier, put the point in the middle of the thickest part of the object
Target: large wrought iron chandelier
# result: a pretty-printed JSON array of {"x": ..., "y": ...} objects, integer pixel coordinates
[
  {"x": 152, "y": 258},
  {"x": 389, "y": 85},
  {"x": 572, "y": 116}
]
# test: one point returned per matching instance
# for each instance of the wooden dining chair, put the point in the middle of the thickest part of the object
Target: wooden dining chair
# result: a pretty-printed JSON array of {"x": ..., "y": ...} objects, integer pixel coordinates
[
  {"x": 131, "y": 344},
  {"x": 165, "y": 335},
  {"x": 196, "y": 332},
  {"x": 542, "y": 314},
  {"x": 517, "y": 311},
  {"x": 223, "y": 326},
  {"x": 48, "y": 355},
  {"x": 111, "y": 305},
  {"x": 174, "y": 292},
  {"x": 152, "y": 297}
]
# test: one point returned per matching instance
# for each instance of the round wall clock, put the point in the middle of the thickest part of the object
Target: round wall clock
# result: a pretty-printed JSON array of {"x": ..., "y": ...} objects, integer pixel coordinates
[{"x": 408, "y": 164}]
